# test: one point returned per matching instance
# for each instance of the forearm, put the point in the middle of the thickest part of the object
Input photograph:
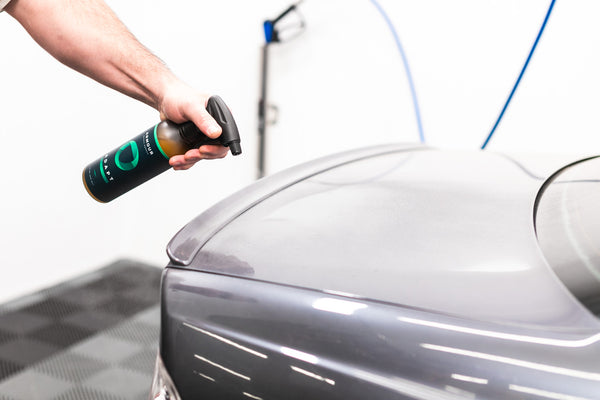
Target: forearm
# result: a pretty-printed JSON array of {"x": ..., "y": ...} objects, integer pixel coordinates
[{"x": 88, "y": 37}]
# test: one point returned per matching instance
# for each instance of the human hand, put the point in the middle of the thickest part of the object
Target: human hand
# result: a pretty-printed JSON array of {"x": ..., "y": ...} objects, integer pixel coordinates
[{"x": 182, "y": 103}]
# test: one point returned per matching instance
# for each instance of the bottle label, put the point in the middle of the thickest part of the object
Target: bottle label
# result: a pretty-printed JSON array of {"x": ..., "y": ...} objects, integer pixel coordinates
[{"x": 126, "y": 167}]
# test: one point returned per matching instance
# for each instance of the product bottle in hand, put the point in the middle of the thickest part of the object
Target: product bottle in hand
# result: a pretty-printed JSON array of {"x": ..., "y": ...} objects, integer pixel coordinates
[{"x": 147, "y": 155}]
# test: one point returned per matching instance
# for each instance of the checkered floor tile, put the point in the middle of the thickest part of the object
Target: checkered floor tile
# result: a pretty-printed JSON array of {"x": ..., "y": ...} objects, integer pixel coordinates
[{"x": 92, "y": 338}]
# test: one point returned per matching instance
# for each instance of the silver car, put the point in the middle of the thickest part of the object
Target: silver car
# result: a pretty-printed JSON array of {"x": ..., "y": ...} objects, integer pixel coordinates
[{"x": 393, "y": 272}]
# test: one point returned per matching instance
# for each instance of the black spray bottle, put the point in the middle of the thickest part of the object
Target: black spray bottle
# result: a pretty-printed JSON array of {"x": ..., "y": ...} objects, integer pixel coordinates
[{"x": 147, "y": 155}]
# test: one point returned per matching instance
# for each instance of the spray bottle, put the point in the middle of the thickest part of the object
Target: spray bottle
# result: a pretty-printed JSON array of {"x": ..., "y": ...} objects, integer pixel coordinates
[{"x": 147, "y": 155}]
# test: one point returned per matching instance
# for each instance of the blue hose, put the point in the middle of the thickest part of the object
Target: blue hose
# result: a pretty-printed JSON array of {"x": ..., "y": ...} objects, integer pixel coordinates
[
  {"x": 514, "y": 89},
  {"x": 413, "y": 92}
]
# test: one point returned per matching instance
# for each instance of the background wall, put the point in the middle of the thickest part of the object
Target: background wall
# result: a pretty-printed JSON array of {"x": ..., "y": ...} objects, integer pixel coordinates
[{"x": 340, "y": 85}]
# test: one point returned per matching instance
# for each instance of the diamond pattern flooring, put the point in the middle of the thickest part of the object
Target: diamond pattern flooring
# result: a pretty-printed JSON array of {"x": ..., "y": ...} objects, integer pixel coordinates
[{"x": 91, "y": 338}]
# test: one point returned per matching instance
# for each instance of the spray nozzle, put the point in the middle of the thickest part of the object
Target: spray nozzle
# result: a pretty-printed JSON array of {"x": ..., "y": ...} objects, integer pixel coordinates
[{"x": 230, "y": 136}]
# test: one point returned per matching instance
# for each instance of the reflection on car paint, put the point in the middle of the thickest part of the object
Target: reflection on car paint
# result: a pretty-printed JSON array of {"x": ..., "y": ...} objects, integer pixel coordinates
[{"x": 383, "y": 274}]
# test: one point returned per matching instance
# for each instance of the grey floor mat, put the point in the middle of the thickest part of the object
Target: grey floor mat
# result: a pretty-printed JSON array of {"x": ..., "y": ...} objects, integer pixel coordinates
[{"x": 94, "y": 337}]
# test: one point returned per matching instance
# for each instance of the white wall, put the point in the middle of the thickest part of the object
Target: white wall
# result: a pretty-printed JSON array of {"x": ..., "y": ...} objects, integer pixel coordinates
[{"x": 340, "y": 85}]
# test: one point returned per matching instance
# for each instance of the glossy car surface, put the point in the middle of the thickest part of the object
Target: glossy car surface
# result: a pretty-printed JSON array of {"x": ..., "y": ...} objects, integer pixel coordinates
[{"x": 389, "y": 273}]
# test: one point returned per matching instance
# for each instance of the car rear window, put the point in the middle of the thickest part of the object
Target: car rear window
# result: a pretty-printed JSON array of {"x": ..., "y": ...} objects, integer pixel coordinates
[{"x": 567, "y": 220}]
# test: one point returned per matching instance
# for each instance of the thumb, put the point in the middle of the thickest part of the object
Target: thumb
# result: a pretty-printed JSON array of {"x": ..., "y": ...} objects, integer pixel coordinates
[{"x": 206, "y": 123}]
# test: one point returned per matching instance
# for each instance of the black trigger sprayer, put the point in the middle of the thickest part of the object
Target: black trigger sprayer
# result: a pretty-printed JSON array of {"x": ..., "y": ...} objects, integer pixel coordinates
[{"x": 147, "y": 155}]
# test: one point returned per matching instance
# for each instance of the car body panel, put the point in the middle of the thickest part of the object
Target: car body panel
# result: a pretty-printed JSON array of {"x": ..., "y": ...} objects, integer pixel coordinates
[
  {"x": 447, "y": 231},
  {"x": 386, "y": 273},
  {"x": 189, "y": 240},
  {"x": 227, "y": 337}
]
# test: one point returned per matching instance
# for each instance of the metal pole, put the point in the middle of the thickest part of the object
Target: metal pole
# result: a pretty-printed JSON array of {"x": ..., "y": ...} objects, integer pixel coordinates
[{"x": 262, "y": 111}]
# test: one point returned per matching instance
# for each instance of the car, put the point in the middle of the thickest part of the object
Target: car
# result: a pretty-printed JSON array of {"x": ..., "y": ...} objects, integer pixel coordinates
[{"x": 390, "y": 272}]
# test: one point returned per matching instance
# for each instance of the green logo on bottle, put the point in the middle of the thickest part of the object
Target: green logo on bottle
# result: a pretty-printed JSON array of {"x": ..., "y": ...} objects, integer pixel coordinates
[{"x": 135, "y": 155}]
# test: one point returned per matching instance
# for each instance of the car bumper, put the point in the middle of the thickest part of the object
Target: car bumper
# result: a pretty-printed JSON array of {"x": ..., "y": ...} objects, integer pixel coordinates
[{"x": 162, "y": 384}]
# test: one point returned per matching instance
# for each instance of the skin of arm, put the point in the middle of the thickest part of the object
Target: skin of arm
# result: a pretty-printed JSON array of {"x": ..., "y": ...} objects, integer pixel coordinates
[{"x": 88, "y": 37}]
